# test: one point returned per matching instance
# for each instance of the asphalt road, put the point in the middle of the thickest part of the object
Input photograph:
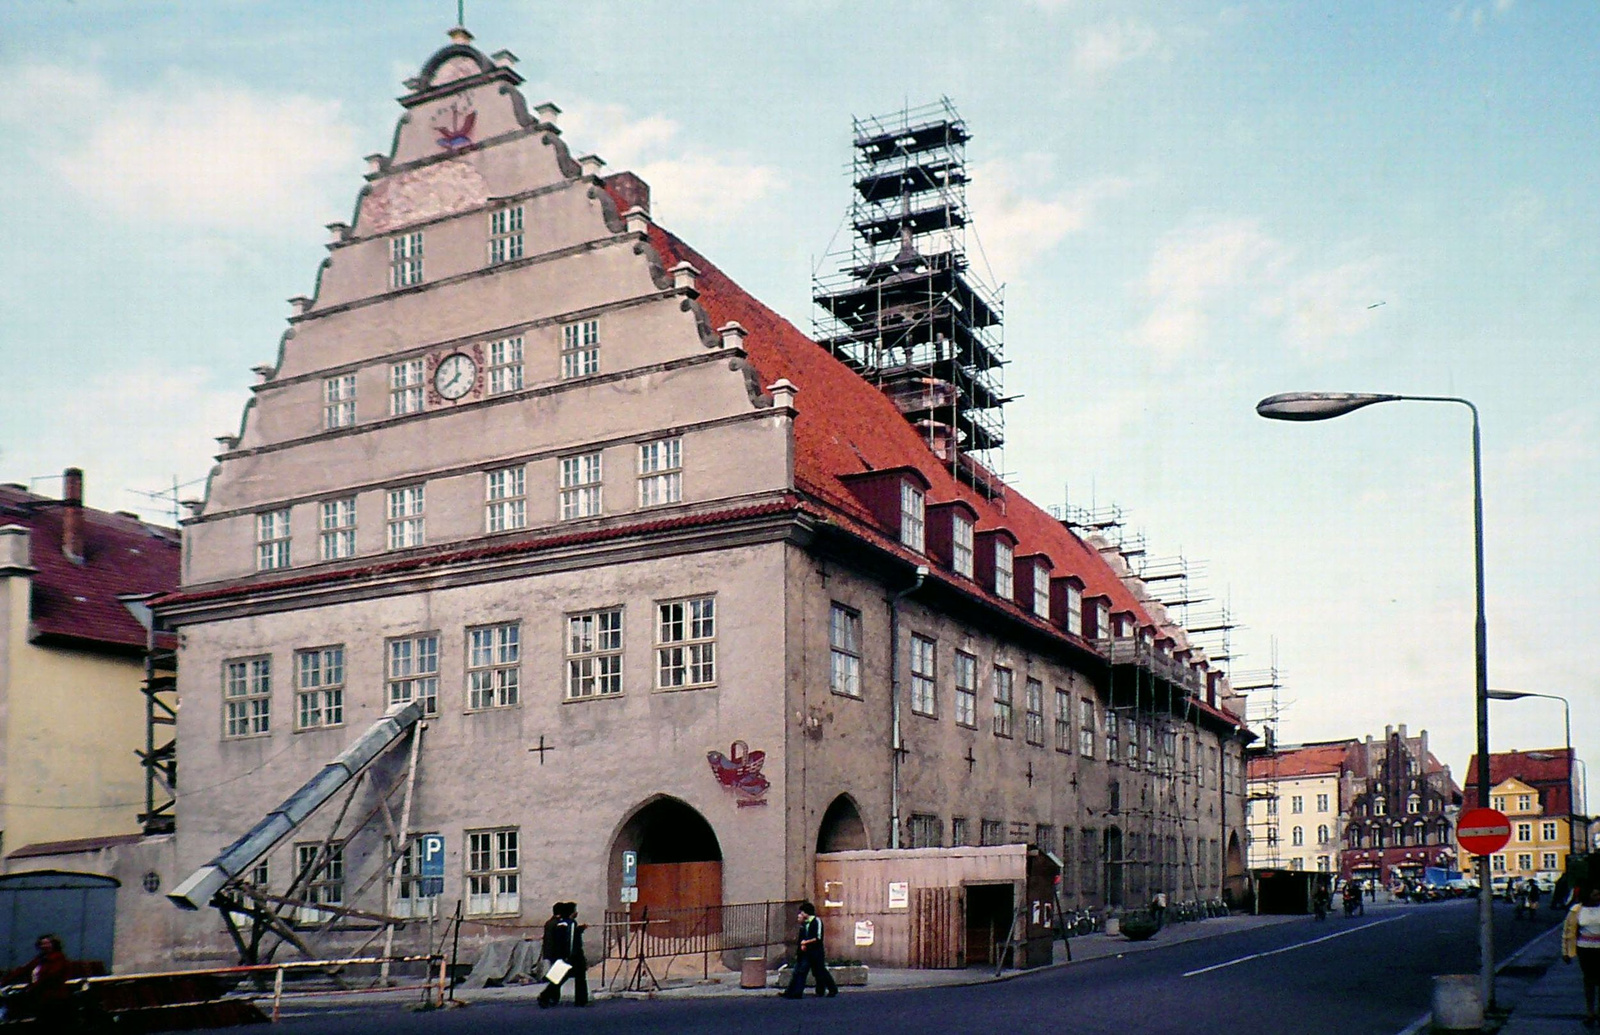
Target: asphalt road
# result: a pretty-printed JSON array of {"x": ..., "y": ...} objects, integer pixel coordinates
[{"x": 1340, "y": 977}]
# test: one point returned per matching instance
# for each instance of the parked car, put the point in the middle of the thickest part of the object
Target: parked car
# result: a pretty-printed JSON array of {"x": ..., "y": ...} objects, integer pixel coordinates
[
  {"x": 1462, "y": 887},
  {"x": 1500, "y": 887}
]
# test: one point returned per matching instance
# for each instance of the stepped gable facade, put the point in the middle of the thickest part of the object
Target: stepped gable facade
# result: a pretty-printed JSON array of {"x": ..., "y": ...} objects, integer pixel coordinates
[
  {"x": 664, "y": 576},
  {"x": 1403, "y": 805}
]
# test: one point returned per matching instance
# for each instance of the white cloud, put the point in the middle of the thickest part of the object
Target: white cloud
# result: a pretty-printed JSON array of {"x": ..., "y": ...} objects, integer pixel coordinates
[
  {"x": 1478, "y": 12},
  {"x": 1231, "y": 270},
  {"x": 187, "y": 151},
  {"x": 1102, "y": 48},
  {"x": 1018, "y": 214},
  {"x": 686, "y": 182}
]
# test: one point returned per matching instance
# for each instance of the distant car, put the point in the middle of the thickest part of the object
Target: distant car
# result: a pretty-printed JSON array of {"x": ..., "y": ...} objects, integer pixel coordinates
[
  {"x": 1546, "y": 881},
  {"x": 1500, "y": 887},
  {"x": 1461, "y": 887}
]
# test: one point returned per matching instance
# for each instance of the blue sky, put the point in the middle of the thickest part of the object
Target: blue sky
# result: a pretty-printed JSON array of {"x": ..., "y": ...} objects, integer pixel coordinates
[{"x": 1191, "y": 206}]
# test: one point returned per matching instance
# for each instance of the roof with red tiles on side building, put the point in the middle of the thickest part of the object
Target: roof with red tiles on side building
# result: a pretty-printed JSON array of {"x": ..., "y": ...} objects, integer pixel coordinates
[
  {"x": 1545, "y": 769},
  {"x": 1328, "y": 759},
  {"x": 122, "y": 556}
]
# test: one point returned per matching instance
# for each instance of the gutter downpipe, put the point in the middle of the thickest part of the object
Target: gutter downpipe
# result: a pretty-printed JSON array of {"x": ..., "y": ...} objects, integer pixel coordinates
[{"x": 897, "y": 747}]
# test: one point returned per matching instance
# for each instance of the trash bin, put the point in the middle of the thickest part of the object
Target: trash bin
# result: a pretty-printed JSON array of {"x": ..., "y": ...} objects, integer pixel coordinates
[
  {"x": 753, "y": 972},
  {"x": 1456, "y": 1003}
]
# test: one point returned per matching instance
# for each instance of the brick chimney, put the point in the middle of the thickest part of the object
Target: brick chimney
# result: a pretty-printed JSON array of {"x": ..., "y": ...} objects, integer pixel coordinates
[
  {"x": 630, "y": 191},
  {"x": 72, "y": 514}
]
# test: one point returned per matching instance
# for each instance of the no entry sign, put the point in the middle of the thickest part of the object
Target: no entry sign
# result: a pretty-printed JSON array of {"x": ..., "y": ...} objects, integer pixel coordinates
[{"x": 1483, "y": 831}]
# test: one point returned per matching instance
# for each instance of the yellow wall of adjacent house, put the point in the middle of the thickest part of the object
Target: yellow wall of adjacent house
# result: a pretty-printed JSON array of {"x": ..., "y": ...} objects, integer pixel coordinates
[
  {"x": 1507, "y": 862},
  {"x": 70, "y": 722}
]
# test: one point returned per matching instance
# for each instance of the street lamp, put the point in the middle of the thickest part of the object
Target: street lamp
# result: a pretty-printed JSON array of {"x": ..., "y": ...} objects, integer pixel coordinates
[
  {"x": 1303, "y": 406},
  {"x": 1566, "y": 711}
]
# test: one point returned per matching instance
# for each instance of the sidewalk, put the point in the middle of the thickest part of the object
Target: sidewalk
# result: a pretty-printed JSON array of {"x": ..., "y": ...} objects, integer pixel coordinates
[{"x": 1554, "y": 1001}]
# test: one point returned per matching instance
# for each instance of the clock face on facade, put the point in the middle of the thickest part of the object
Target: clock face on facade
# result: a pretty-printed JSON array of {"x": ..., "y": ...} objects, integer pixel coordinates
[{"x": 455, "y": 376}]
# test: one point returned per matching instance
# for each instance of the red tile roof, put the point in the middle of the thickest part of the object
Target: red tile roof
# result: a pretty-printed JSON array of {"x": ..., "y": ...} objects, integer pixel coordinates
[
  {"x": 81, "y": 844},
  {"x": 78, "y": 602},
  {"x": 1310, "y": 760},
  {"x": 1544, "y": 769}
]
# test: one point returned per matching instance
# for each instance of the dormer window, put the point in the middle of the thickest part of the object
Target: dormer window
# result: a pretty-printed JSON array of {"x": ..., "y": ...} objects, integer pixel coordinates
[
  {"x": 1041, "y": 590},
  {"x": 1102, "y": 618},
  {"x": 913, "y": 517},
  {"x": 1004, "y": 580},
  {"x": 1074, "y": 610},
  {"x": 961, "y": 546}
]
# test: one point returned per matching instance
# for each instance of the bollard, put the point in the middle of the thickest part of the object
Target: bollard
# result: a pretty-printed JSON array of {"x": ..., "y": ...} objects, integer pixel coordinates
[
  {"x": 1456, "y": 1004},
  {"x": 753, "y": 972}
]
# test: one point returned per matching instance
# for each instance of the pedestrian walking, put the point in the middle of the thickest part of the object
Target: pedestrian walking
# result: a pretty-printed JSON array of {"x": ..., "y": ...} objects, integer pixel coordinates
[
  {"x": 811, "y": 957},
  {"x": 1321, "y": 897},
  {"x": 563, "y": 949},
  {"x": 1158, "y": 907},
  {"x": 1580, "y": 940}
]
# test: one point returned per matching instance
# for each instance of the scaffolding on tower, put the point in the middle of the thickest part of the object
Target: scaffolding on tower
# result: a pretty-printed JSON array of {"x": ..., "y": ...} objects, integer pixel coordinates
[{"x": 905, "y": 309}]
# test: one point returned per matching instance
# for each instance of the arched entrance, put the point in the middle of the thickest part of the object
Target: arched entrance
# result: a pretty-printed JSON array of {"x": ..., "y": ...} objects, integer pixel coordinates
[
  {"x": 841, "y": 829},
  {"x": 1233, "y": 878},
  {"x": 1112, "y": 854},
  {"x": 680, "y": 860}
]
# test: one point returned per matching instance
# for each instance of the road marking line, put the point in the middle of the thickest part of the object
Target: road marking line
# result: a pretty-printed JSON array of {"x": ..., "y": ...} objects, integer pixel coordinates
[{"x": 1297, "y": 945}]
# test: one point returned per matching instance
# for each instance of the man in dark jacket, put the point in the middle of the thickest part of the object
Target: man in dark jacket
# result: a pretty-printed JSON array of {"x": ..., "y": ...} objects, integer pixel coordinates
[
  {"x": 563, "y": 941},
  {"x": 811, "y": 958},
  {"x": 45, "y": 994}
]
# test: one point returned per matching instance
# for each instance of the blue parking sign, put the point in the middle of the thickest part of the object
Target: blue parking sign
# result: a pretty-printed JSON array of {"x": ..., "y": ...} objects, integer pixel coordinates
[{"x": 432, "y": 872}]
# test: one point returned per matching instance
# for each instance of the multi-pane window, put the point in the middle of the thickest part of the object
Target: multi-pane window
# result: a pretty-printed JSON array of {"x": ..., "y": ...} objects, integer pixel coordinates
[
  {"x": 924, "y": 831},
  {"x": 1133, "y": 744},
  {"x": 1063, "y": 720},
  {"x": 1041, "y": 590},
  {"x": 844, "y": 643},
  {"x": 966, "y": 689},
  {"x": 272, "y": 540},
  {"x": 913, "y": 517},
  {"x": 1498, "y": 863},
  {"x": 414, "y": 895},
  {"x": 324, "y": 883},
  {"x": 1380, "y": 807},
  {"x": 1547, "y": 831},
  {"x": 1004, "y": 581},
  {"x": 261, "y": 875},
  {"x": 412, "y": 671},
  {"x": 493, "y": 873},
  {"x": 338, "y": 529},
  {"x": 1498, "y": 802},
  {"x": 1297, "y": 836},
  {"x": 405, "y": 259},
  {"x": 1074, "y": 610},
  {"x": 1549, "y": 861},
  {"x": 1147, "y": 737},
  {"x": 594, "y": 654},
  {"x": 1414, "y": 804},
  {"x": 1322, "y": 833},
  {"x": 1045, "y": 837},
  {"x": 1086, "y": 730},
  {"x": 405, "y": 387},
  {"x": 686, "y": 643},
  {"x": 961, "y": 546},
  {"x": 506, "y": 493},
  {"x": 494, "y": 673},
  {"x": 505, "y": 234},
  {"x": 1524, "y": 831},
  {"x": 1297, "y": 804},
  {"x": 580, "y": 486},
  {"x": 504, "y": 370},
  {"x": 1003, "y": 701},
  {"x": 1113, "y": 741},
  {"x": 339, "y": 401},
  {"x": 405, "y": 522},
  {"x": 1033, "y": 698},
  {"x": 660, "y": 472},
  {"x": 1322, "y": 801},
  {"x": 924, "y": 676},
  {"x": 319, "y": 687},
  {"x": 247, "y": 697},
  {"x": 1524, "y": 861},
  {"x": 992, "y": 832},
  {"x": 1524, "y": 802},
  {"x": 580, "y": 349},
  {"x": 958, "y": 831}
]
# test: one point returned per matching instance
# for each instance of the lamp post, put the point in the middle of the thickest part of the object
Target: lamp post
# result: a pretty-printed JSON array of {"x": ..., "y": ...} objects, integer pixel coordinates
[
  {"x": 1305, "y": 406},
  {"x": 1566, "y": 712}
]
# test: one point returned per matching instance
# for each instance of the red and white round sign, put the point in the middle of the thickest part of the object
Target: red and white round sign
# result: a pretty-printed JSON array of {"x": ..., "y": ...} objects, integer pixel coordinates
[{"x": 1483, "y": 831}]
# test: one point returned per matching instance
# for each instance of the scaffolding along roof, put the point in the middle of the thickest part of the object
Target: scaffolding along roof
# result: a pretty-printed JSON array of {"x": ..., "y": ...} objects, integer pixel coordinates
[{"x": 925, "y": 136}]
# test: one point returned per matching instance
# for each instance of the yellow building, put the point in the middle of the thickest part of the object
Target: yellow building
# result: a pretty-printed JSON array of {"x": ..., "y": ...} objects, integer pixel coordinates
[
  {"x": 72, "y": 668},
  {"x": 1533, "y": 789}
]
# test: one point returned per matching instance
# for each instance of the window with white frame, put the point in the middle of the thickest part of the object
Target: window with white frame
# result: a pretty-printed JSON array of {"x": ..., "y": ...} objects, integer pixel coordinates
[
  {"x": 339, "y": 401},
  {"x": 411, "y": 665},
  {"x": 405, "y": 387},
  {"x": 1041, "y": 590},
  {"x": 1548, "y": 861},
  {"x": 1524, "y": 861},
  {"x": 247, "y": 697},
  {"x": 319, "y": 688},
  {"x": 337, "y": 535},
  {"x": 992, "y": 832},
  {"x": 594, "y": 654},
  {"x": 1133, "y": 743},
  {"x": 1074, "y": 609},
  {"x": 913, "y": 517},
  {"x": 324, "y": 880},
  {"x": 1322, "y": 803},
  {"x": 1322, "y": 833},
  {"x": 1004, "y": 581},
  {"x": 1547, "y": 831},
  {"x": 580, "y": 486},
  {"x": 1498, "y": 802},
  {"x": 494, "y": 872},
  {"x": 494, "y": 665},
  {"x": 405, "y": 259},
  {"x": 1113, "y": 741},
  {"x": 1524, "y": 832},
  {"x": 506, "y": 496},
  {"x": 1524, "y": 802},
  {"x": 1004, "y": 688},
  {"x": 1033, "y": 722},
  {"x": 660, "y": 472},
  {"x": 405, "y": 523},
  {"x": 503, "y": 371},
  {"x": 580, "y": 349},
  {"x": 1297, "y": 804},
  {"x": 415, "y": 896},
  {"x": 1414, "y": 804},
  {"x": 1086, "y": 730},
  {"x": 1063, "y": 720},
  {"x": 1379, "y": 806},
  {"x": 505, "y": 234},
  {"x": 272, "y": 540},
  {"x": 844, "y": 643},
  {"x": 261, "y": 875},
  {"x": 924, "y": 675},
  {"x": 1297, "y": 836},
  {"x": 958, "y": 831},
  {"x": 966, "y": 689},
  {"x": 961, "y": 545},
  {"x": 686, "y": 643}
]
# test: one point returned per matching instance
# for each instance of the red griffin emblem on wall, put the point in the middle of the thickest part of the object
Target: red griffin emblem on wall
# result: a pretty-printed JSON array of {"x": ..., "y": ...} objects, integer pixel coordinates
[
  {"x": 454, "y": 126},
  {"x": 740, "y": 771}
]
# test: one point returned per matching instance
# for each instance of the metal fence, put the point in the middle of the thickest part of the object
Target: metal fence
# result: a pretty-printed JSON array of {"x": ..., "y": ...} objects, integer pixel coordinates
[{"x": 637, "y": 940}]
